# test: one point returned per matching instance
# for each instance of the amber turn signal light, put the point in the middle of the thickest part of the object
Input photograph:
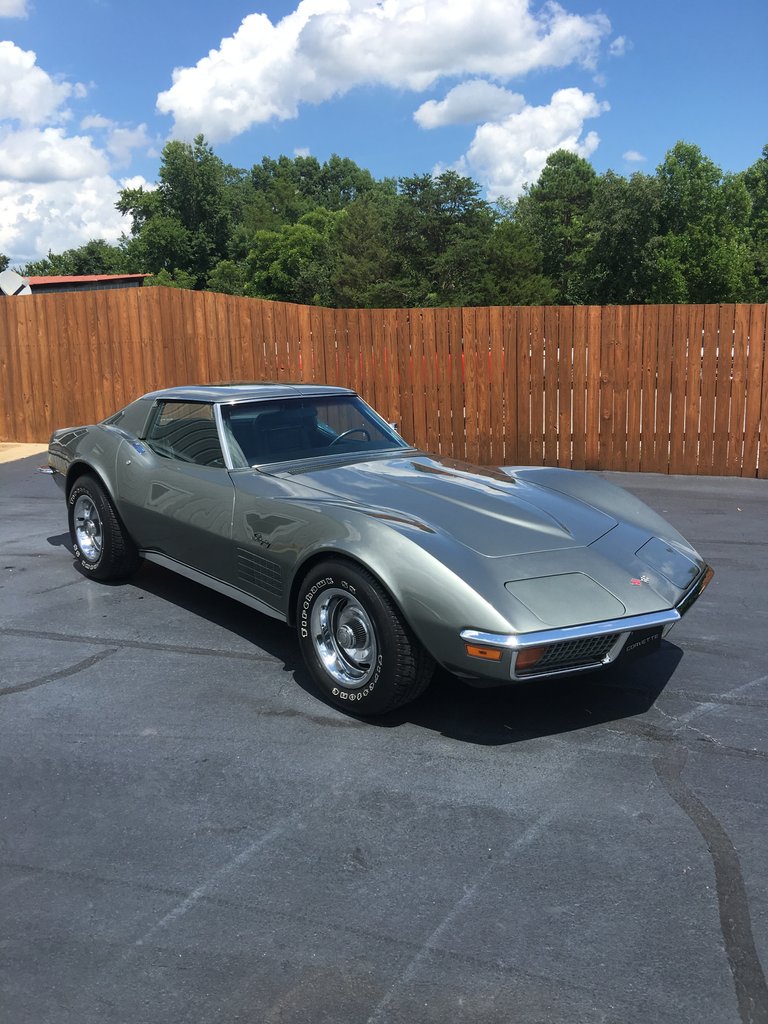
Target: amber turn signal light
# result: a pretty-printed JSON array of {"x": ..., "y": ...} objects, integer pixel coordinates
[
  {"x": 528, "y": 657},
  {"x": 488, "y": 653}
]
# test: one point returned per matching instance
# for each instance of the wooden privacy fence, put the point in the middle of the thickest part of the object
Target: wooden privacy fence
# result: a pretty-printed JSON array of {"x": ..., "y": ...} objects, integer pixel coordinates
[{"x": 679, "y": 389}]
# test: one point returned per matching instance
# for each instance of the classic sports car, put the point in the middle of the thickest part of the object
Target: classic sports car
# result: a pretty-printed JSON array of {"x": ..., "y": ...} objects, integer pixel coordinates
[{"x": 300, "y": 501}]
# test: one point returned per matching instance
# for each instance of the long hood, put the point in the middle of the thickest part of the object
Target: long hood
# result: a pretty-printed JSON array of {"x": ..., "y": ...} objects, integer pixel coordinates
[{"x": 490, "y": 511}]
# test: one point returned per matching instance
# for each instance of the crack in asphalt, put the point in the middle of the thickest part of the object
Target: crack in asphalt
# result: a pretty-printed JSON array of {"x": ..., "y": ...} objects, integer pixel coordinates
[
  {"x": 733, "y": 902},
  {"x": 62, "y": 673},
  {"x": 142, "y": 645}
]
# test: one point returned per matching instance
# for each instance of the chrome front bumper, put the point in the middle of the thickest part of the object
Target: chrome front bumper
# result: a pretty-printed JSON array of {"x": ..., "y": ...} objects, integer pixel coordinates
[{"x": 621, "y": 629}]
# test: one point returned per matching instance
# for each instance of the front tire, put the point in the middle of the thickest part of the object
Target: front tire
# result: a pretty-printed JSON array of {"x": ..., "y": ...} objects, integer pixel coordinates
[
  {"x": 355, "y": 643},
  {"x": 101, "y": 545}
]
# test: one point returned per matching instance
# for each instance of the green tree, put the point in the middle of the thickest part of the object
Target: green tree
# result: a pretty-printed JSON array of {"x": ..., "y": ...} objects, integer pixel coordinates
[
  {"x": 228, "y": 277},
  {"x": 365, "y": 267},
  {"x": 622, "y": 220},
  {"x": 95, "y": 257},
  {"x": 191, "y": 209},
  {"x": 755, "y": 180},
  {"x": 4, "y": 261},
  {"x": 293, "y": 264},
  {"x": 172, "y": 279},
  {"x": 514, "y": 269},
  {"x": 556, "y": 211},
  {"x": 163, "y": 243},
  {"x": 440, "y": 229},
  {"x": 702, "y": 251}
]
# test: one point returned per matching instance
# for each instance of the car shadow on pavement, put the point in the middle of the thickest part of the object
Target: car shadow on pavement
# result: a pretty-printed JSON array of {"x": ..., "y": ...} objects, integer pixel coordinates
[
  {"x": 525, "y": 711},
  {"x": 486, "y": 716}
]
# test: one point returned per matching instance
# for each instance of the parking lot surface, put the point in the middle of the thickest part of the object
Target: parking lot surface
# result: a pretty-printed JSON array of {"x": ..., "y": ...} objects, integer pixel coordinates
[{"x": 189, "y": 834}]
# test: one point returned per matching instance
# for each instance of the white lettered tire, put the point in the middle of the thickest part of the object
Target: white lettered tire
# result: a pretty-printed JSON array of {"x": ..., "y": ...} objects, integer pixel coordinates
[
  {"x": 101, "y": 545},
  {"x": 355, "y": 643}
]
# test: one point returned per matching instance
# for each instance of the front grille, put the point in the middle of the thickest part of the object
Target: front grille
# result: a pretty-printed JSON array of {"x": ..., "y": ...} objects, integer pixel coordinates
[{"x": 572, "y": 654}]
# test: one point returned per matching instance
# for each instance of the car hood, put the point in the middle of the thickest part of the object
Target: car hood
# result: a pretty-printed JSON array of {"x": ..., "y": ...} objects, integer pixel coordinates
[{"x": 489, "y": 510}]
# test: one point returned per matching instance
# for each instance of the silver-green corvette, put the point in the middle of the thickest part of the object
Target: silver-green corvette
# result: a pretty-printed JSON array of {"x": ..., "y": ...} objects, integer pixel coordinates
[{"x": 300, "y": 501}]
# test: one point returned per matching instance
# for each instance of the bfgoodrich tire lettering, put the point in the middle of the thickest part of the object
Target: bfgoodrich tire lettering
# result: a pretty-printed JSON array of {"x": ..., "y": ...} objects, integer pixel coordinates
[
  {"x": 356, "y": 643},
  {"x": 101, "y": 545}
]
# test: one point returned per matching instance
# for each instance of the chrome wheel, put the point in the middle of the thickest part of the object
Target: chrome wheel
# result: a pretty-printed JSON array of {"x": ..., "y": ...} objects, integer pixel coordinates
[
  {"x": 88, "y": 528},
  {"x": 344, "y": 637}
]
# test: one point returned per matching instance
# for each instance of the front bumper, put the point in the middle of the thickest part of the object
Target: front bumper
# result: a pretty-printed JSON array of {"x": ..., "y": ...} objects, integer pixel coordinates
[{"x": 584, "y": 648}]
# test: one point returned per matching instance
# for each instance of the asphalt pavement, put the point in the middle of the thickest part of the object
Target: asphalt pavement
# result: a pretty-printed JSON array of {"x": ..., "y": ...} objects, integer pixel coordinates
[{"x": 189, "y": 834}]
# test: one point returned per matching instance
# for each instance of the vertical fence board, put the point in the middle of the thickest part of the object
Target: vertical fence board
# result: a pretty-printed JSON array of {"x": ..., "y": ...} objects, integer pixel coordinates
[
  {"x": 379, "y": 394},
  {"x": 634, "y": 385},
  {"x": 524, "y": 365},
  {"x": 482, "y": 350},
  {"x": 663, "y": 386},
  {"x": 649, "y": 381},
  {"x": 432, "y": 396},
  {"x": 738, "y": 383},
  {"x": 678, "y": 388},
  {"x": 621, "y": 345},
  {"x": 455, "y": 335},
  {"x": 470, "y": 382},
  {"x": 443, "y": 371},
  {"x": 762, "y": 470},
  {"x": 551, "y": 326},
  {"x": 723, "y": 373},
  {"x": 417, "y": 373},
  {"x": 403, "y": 361},
  {"x": 497, "y": 429},
  {"x": 579, "y": 392},
  {"x": 537, "y": 386},
  {"x": 510, "y": 389},
  {"x": 565, "y": 387},
  {"x": 757, "y": 355},
  {"x": 607, "y": 354},
  {"x": 594, "y": 384},
  {"x": 391, "y": 375},
  {"x": 11, "y": 427},
  {"x": 706, "y": 460},
  {"x": 693, "y": 388}
]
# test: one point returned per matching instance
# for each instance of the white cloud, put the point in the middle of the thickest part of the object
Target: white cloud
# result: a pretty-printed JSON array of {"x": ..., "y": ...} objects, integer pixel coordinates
[
  {"x": 13, "y": 8},
  {"x": 507, "y": 154},
  {"x": 94, "y": 121},
  {"x": 324, "y": 48},
  {"x": 27, "y": 93},
  {"x": 302, "y": 151},
  {"x": 468, "y": 103},
  {"x": 618, "y": 46},
  {"x": 122, "y": 141},
  {"x": 57, "y": 189},
  {"x": 42, "y": 155},
  {"x": 36, "y": 218},
  {"x": 633, "y": 157}
]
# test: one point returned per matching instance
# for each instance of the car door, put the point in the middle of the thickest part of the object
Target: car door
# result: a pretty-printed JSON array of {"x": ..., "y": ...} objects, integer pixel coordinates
[{"x": 176, "y": 496}]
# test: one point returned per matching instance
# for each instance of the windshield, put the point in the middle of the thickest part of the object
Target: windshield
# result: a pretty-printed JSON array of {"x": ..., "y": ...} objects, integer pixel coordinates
[{"x": 289, "y": 429}]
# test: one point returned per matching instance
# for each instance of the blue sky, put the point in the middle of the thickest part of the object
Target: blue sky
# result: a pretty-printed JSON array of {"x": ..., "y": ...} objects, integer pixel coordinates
[{"x": 89, "y": 95}]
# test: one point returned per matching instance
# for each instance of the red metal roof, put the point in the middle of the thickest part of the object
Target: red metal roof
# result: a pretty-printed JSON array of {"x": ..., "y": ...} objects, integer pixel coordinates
[{"x": 85, "y": 278}]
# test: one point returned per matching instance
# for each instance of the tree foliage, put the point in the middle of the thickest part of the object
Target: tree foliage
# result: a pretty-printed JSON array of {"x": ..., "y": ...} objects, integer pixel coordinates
[{"x": 329, "y": 233}]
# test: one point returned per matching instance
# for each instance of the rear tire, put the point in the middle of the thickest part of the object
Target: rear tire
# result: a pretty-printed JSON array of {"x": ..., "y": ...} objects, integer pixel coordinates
[
  {"x": 356, "y": 644},
  {"x": 102, "y": 548}
]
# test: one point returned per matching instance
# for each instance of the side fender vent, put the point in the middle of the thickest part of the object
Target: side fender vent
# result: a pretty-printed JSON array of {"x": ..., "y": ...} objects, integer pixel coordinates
[{"x": 260, "y": 573}]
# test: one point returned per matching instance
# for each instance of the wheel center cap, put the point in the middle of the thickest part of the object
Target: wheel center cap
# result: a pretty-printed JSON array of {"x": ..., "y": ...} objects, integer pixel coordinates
[{"x": 345, "y": 636}]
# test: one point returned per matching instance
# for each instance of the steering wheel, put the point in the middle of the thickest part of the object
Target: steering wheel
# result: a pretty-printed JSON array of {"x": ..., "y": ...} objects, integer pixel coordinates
[{"x": 353, "y": 430}]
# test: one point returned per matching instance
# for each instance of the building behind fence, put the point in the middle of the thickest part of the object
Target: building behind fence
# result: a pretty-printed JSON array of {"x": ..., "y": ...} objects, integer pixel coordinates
[{"x": 668, "y": 389}]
